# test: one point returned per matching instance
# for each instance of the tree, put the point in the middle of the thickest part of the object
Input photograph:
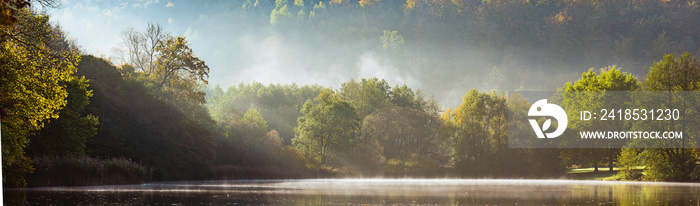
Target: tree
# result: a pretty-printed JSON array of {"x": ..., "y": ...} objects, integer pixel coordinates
[
  {"x": 136, "y": 124},
  {"x": 139, "y": 49},
  {"x": 405, "y": 97},
  {"x": 674, "y": 74},
  {"x": 154, "y": 37},
  {"x": 11, "y": 9},
  {"x": 477, "y": 132},
  {"x": 369, "y": 95},
  {"x": 67, "y": 134},
  {"x": 609, "y": 79},
  {"x": 178, "y": 71},
  {"x": 279, "y": 14},
  {"x": 279, "y": 105},
  {"x": 327, "y": 130},
  {"x": 32, "y": 90},
  {"x": 403, "y": 132},
  {"x": 391, "y": 40}
]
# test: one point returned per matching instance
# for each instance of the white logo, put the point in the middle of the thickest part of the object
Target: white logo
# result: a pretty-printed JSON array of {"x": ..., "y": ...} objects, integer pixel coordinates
[{"x": 542, "y": 109}]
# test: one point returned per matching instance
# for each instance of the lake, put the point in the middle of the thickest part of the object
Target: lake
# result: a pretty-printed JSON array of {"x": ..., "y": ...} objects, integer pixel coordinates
[{"x": 366, "y": 191}]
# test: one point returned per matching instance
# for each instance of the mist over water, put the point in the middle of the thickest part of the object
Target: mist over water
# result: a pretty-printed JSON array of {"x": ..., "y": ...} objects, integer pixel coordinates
[{"x": 369, "y": 191}]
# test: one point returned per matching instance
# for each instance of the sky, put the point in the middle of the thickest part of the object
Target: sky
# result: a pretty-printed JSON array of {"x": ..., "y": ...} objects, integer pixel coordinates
[
  {"x": 96, "y": 25},
  {"x": 234, "y": 50}
]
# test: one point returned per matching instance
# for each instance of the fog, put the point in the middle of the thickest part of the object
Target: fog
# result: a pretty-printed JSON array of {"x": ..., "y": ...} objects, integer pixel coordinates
[{"x": 442, "y": 57}]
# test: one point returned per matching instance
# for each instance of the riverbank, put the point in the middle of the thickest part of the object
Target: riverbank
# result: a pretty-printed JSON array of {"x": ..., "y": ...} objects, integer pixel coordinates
[
  {"x": 602, "y": 174},
  {"x": 83, "y": 171}
]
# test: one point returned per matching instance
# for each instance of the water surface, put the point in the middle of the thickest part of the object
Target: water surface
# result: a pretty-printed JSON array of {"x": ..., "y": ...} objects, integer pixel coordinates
[{"x": 366, "y": 191}]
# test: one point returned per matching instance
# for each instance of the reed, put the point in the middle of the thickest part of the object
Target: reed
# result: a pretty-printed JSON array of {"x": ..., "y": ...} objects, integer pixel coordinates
[{"x": 83, "y": 170}]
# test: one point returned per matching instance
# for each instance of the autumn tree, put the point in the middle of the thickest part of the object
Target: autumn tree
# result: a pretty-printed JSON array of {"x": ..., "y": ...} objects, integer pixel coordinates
[
  {"x": 10, "y": 10},
  {"x": 178, "y": 71},
  {"x": 477, "y": 132},
  {"x": 164, "y": 63}
]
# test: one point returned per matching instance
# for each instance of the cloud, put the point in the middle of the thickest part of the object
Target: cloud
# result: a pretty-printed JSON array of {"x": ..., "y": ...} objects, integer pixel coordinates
[
  {"x": 67, "y": 13},
  {"x": 370, "y": 65},
  {"x": 191, "y": 34},
  {"x": 148, "y": 2},
  {"x": 107, "y": 12},
  {"x": 88, "y": 25},
  {"x": 170, "y": 20},
  {"x": 170, "y": 4}
]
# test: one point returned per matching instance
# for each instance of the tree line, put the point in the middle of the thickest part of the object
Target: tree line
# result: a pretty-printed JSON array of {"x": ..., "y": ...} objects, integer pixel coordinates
[{"x": 153, "y": 114}]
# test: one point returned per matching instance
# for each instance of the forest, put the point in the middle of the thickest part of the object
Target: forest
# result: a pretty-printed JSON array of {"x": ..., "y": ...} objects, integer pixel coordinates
[{"x": 148, "y": 113}]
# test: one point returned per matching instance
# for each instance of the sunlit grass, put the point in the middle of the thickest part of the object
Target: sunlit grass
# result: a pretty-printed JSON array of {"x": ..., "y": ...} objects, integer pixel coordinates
[{"x": 603, "y": 173}]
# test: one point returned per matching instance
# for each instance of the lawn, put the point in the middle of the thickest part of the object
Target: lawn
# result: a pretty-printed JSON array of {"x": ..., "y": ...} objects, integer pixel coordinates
[{"x": 588, "y": 174}]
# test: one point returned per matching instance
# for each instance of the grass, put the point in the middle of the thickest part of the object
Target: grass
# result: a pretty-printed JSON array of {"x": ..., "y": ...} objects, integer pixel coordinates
[{"x": 602, "y": 174}]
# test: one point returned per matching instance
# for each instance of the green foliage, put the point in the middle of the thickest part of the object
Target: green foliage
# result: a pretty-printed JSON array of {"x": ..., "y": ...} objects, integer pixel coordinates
[
  {"x": 477, "y": 127},
  {"x": 137, "y": 125},
  {"x": 326, "y": 132},
  {"x": 278, "y": 15},
  {"x": 279, "y": 105},
  {"x": 299, "y": 3},
  {"x": 67, "y": 134},
  {"x": 416, "y": 165},
  {"x": 253, "y": 116},
  {"x": 674, "y": 164},
  {"x": 629, "y": 161},
  {"x": 32, "y": 75},
  {"x": 391, "y": 40},
  {"x": 476, "y": 137},
  {"x": 368, "y": 95},
  {"x": 179, "y": 73},
  {"x": 609, "y": 79},
  {"x": 405, "y": 132},
  {"x": 674, "y": 74}
]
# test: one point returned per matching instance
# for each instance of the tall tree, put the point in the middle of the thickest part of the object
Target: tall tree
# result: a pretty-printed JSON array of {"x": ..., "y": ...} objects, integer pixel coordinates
[
  {"x": 139, "y": 49},
  {"x": 477, "y": 132},
  {"x": 32, "y": 90},
  {"x": 609, "y": 79},
  {"x": 674, "y": 74},
  {"x": 328, "y": 128},
  {"x": 178, "y": 71}
]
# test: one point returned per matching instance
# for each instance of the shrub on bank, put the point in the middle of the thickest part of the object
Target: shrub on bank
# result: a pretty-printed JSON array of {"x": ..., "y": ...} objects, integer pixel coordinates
[{"x": 83, "y": 170}]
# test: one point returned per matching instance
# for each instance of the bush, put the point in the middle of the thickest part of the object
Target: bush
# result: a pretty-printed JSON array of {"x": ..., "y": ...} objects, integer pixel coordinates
[{"x": 83, "y": 170}]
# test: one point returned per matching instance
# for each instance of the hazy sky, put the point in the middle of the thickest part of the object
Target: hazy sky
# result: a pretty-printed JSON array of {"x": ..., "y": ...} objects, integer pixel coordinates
[
  {"x": 97, "y": 24},
  {"x": 234, "y": 50},
  {"x": 244, "y": 47}
]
